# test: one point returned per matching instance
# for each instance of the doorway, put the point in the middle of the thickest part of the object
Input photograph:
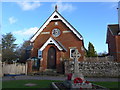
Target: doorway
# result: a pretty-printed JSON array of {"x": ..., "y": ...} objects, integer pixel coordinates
[{"x": 51, "y": 58}]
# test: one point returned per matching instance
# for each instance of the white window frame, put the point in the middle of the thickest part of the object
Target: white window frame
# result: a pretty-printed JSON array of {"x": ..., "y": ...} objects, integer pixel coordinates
[
  {"x": 39, "y": 54},
  {"x": 71, "y": 53}
]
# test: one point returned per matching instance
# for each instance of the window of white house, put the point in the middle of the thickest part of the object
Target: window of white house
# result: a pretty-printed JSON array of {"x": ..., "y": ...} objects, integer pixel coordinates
[
  {"x": 72, "y": 50},
  {"x": 39, "y": 54}
]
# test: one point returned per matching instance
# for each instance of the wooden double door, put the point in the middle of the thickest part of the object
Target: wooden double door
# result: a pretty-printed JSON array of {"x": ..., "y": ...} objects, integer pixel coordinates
[{"x": 51, "y": 58}]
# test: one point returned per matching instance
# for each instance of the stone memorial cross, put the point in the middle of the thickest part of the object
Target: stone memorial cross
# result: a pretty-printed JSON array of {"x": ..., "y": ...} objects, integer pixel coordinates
[
  {"x": 77, "y": 80},
  {"x": 76, "y": 55}
]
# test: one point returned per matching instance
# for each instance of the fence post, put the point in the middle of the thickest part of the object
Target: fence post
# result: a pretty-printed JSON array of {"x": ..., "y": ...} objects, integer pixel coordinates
[
  {"x": 1, "y": 74},
  {"x": 26, "y": 66}
]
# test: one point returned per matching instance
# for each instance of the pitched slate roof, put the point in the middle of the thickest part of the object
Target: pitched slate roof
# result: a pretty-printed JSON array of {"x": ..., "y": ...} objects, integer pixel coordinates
[
  {"x": 56, "y": 16},
  {"x": 114, "y": 28},
  {"x": 64, "y": 49}
]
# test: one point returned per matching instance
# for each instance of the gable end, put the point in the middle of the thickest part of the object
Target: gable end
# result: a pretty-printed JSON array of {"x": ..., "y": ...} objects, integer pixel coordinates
[{"x": 56, "y": 16}]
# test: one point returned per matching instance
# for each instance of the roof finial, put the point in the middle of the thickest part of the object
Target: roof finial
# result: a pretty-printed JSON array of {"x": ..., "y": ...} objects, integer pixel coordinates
[{"x": 56, "y": 7}]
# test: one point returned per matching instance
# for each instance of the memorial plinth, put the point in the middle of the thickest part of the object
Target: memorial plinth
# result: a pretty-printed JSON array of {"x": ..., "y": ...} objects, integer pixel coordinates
[{"x": 76, "y": 79}]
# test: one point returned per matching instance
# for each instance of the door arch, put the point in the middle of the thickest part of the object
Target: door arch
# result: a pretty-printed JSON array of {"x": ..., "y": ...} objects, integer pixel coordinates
[{"x": 51, "y": 58}]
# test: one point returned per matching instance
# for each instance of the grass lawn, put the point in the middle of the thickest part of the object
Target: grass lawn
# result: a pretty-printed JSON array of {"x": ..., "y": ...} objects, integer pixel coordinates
[
  {"x": 46, "y": 84},
  {"x": 114, "y": 85},
  {"x": 21, "y": 83}
]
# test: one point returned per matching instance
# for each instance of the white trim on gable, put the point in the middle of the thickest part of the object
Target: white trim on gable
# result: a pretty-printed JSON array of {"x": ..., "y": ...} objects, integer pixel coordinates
[
  {"x": 45, "y": 32},
  {"x": 55, "y": 13},
  {"x": 51, "y": 41},
  {"x": 66, "y": 31}
]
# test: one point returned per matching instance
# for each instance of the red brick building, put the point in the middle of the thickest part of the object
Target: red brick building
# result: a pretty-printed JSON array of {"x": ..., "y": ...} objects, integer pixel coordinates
[
  {"x": 54, "y": 42},
  {"x": 113, "y": 41}
]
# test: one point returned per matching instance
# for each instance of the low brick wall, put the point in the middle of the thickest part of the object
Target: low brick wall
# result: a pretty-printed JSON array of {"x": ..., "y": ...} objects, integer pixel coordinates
[{"x": 95, "y": 68}]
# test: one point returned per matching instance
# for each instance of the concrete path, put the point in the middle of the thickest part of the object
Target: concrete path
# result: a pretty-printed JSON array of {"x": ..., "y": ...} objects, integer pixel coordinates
[
  {"x": 33, "y": 78},
  {"x": 24, "y": 77}
]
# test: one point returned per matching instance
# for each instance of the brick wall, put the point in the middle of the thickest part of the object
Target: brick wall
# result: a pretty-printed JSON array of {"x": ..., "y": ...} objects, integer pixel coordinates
[
  {"x": 114, "y": 46},
  {"x": 118, "y": 47},
  {"x": 68, "y": 40}
]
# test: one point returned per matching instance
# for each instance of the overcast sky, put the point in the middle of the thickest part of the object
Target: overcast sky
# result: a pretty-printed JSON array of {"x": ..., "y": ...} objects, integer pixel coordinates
[{"x": 90, "y": 19}]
